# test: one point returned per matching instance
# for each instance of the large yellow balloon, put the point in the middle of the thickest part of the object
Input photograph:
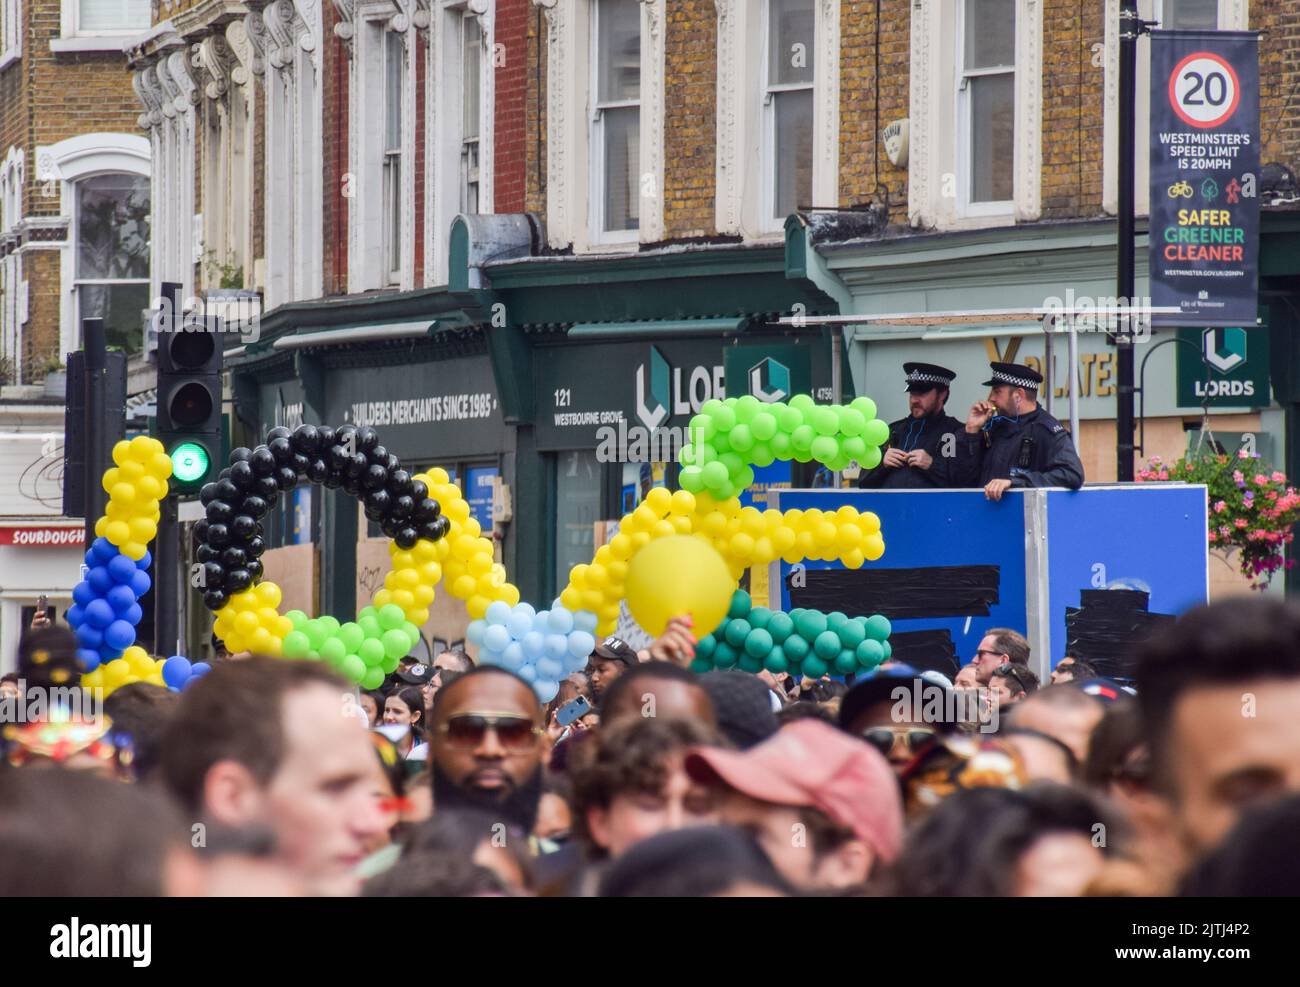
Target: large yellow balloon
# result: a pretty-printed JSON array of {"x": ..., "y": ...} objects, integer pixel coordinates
[{"x": 678, "y": 575}]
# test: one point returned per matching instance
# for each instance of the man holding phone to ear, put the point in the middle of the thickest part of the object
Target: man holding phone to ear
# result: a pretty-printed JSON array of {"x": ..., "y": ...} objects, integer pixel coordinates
[{"x": 1015, "y": 442}]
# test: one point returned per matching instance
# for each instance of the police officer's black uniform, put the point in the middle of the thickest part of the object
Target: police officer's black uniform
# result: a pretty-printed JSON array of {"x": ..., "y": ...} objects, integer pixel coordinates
[
  {"x": 1032, "y": 450},
  {"x": 926, "y": 433}
]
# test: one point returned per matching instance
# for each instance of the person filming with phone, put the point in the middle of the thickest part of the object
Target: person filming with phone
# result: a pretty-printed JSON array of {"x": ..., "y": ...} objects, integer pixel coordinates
[{"x": 1015, "y": 442}]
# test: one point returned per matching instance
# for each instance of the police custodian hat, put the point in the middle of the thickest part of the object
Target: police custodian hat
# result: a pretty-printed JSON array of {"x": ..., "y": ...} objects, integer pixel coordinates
[
  {"x": 1014, "y": 374},
  {"x": 925, "y": 376}
]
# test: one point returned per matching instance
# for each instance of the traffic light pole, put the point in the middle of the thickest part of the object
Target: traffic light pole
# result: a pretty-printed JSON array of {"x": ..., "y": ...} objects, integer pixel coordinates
[
  {"x": 96, "y": 364},
  {"x": 167, "y": 581}
]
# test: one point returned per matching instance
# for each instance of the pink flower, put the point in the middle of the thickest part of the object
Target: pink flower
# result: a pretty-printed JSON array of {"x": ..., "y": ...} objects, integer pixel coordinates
[
  {"x": 1242, "y": 454},
  {"x": 1237, "y": 477},
  {"x": 1279, "y": 477},
  {"x": 1164, "y": 474},
  {"x": 1240, "y": 522},
  {"x": 1225, "y": 531},
  {"x": 1260, "y": 479},
  {"x": 1220, "y": 507}
]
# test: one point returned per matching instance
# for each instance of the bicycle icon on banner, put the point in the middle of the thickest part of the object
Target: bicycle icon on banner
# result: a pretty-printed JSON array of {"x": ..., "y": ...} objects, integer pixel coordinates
[{"x": 1180, "y": 190}]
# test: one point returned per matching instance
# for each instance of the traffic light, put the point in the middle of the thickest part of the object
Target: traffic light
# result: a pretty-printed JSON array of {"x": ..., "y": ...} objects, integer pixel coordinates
[{"x": 189, "y": 394}]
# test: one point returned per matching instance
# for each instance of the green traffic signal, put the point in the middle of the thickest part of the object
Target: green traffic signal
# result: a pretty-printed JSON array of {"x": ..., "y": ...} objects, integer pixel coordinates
[{"x": 189, "y": 462}]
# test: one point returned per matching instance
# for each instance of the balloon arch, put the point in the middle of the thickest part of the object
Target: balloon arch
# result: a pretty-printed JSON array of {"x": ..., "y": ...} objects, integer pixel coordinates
[{"x": 435, "y": 539}]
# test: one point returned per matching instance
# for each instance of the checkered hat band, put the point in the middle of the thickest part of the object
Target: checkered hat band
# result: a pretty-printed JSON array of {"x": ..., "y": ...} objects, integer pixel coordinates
[
  {"x": 915, "y": 377},
  {"x": 1002, "y": 378}
]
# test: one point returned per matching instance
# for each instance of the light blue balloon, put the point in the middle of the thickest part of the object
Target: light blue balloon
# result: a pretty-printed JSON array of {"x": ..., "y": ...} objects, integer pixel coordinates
[
  {"x": 513, "y": 656},
  {"x": 557, "y": 646},
  {"x": 581, "y": 643},
  {"x": 534, "y": 645},
  {"x": 549, "y": 668},
  {"x": 498, "y": 611},
  {"x": 475, "y": 631},
  {"x": 560, "y": 620},
  {"x": 585, "y": 620},
  {"x": 527, "y": 672},
  {"x": 496, "y": 637},
  {"x": 519, "y": 624},
  {"x": 526, "y": 608},
  {"x": 575, "y": 663},
  {"x": 546, "y": 690},
  {"x": 541, "y": 621}
]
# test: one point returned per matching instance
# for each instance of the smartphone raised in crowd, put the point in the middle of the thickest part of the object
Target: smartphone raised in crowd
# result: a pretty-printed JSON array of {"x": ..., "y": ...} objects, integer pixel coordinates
[{"x": 573, "y": 710}]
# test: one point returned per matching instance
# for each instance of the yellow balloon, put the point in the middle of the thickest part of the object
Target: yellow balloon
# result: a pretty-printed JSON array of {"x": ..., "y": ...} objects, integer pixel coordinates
[
  {"x": 93, "y": 680},
  {"x": 121, "y": 452},
  {"x": 101, "y": 528},
  {"x": 160, "y": 465},
  {"x": 659, "y": 500},
  {"x": 268, "y": 594},
  {"x": 571, "y": 598},
  {"x": 678, "y": 575},
  {"x": 116, "y": 672},
  {"x": 683, "y": 502},
  {"x": 142, "y": 529},
  {"x": 477, "y": 606},
  {"x": 134, "y": 550},
  {"x": 118, "y": 532},
  {"x": 873, "y": 547}
]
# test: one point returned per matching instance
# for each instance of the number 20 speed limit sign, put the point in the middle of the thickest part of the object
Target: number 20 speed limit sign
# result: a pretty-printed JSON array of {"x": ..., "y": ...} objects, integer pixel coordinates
[{"x": 1204, "y": 89}]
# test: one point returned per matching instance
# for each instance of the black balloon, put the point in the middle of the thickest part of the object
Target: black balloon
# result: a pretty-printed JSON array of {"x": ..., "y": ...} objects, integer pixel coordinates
[
  {"x": 207, "y": 494},
  {"x": 215, "y": 599},
  {"x": 317, "y": 471},
  {"x": 267, "y": 488},
  {"x": 279, "y": 432},
  {"x": 376, "y": 477},
  {"x": 337, "y": 457},
  {"x": 219, "y": 512},
  {"x": 444, "y": 526},
  {"x": 227, "y": 491},
  {"x": 214, "y": 574},
  {"x": 426, "y": 510},
  {"x": 242, "y": 527},
  {"x": 367, "y": 438},
  {"x": 306, "y": 439},
  {"x": 263, "y": 462},
  {"x": 390, "y": 527},
  {"x": 324, "y": 437},
  {"x": 255, "y": 547},
  {"x": 399, "y": 482},
  {"x": 218, "y": 535},
  {"x": 429, "y": 530},
  {"x": 357, "y": 466},
  {"x": 402, "y": 507},
  {"x": 233, "y": 558},
  {"x": 406, "y": 538},
  {"x": 351, "y": 486},
  {"x": 419, "y": 490},
  {"x": 392, "y": 464},
  {"x": 240, "y": 454},
  {"x": 254, "y": 568},
  {"x": 255, "y": 505},
  {"x": 378, "y": 455},
  {"x": 286, "y": 477},
  {"x": 332, "y": 480},
  {"x": 281, "y": 449},
  {"x": 237, "y": 580},
  {"x": 206, "y": 553},
  {"x": 242, "y": 475},
  {"x": 201, "y": 532},
  {"x": 380, "y": 500}
]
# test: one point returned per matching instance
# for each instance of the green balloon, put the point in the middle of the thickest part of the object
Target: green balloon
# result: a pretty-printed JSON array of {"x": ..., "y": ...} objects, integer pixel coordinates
[
  {"x": 825, "y": 449},
  {"x": 353, "y": 669},
  {"x": 297, "y": 618},
  {"x": 869, "y": 653},
  {"x": 781, "y": 446},
  {"x": 371, "y": 651},
  {"x": 759, "y": 616},
  {"x": 373, "y": 678},
  {"x": 389, "y": 665},
  {"x": 747, "y": 407},
  {"x": 780, "y": 626},
  {"x": 702, "y": 427},
  {"x": 741, "y": 604},
  {"x": 395, "y": 643},
  {"x": 845, "y": 662},
  {"x": 333, "y": 651},
  {"x": 366, "y": 611},
  {"x": 809, "y": 624},
  {"x": 313, "y": 656},
  {"x": 878, "y": 627},
  {"x": 714, "y": 475},
  {"x": 826, "y": 645},
  {"x": 331, "y": 625},
  {"x": 369, "y": 625},
  {"x": 764, "y": 426},
  {"x": 745, "y": 478},
  {"x": 870, "y": 459},
  {"x": 788, "y": 418},
  {"x": 776, "y": 661},
  {"x": 835, "y": 620},
  {"x": 391, "y": 616},
  {"x": 761, "y": 455},
  {"x": 736, "y": 633},
  {"x": 351, "y": 635},
  {"x": 742, "y": 439},
  {"x": 802, "y": 438},
  {"x": 876, "y": 433},
  {"x": 814, "y": 667},
  {"x": 851, "y": 634},
  {"x": 691, "y": 479},
  {"x": 759, "y": 643},
  {"x": 854, "y": 448},
  {"x": 825, "y": 421},
  {"x": 865, "y": 407},
  {"x": 724, "y": 418},
  {"x": 315, "y": 632},
  {"x": 852, "y": 423},
  {"x": 296, "y": 644},
  {"x": 803, "y": 402},
  {"x": 888, "y": 648},
  {"x": 795, "y": 648},
  {"x": 732, "y": 461},
  {"x": 748, "y": 663},
  {"x": 724, "y": 655},
  {"x": 704, "y": 647}
]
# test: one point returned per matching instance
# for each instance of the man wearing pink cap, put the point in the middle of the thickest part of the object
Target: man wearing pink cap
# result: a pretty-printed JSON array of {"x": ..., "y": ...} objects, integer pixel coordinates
[{"x": 823, "y": 805}]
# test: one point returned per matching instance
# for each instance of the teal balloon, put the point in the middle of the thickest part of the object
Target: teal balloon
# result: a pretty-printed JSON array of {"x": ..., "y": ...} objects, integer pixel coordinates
[
  {"x": 809, "y": 624},
  {"x": 296, "y": 644},
  {"x": 333, "y": 651},
  {"x": 759, "y": 616},
  {"x": 353, "y": 669},
  {"x": 888, "y": 649},
  {"x": 395, "y": 642},
  {"x": 826, "y": 645},
  {"x": 878, "y": 627},
  {"x": 845, "y": 662},
  {"x": 869, "y": 653},
  {"x": 704, "y": 647},
  {"x": 814, "y": 667},
  {"x": 391, "y": 616},
  {"x": 835, "y": 620},
  {"x": 851, "y": 634},
  {"x": 795, "y": 648},
  {"x": 741, "y": 604},
  {"x": 748, "y": 663},
  {"x": 759, "y": 643},
  {"x": 724, "y": 655},
  {"x": 351, "y": 635},
  {"x": 736, "y": 633},
  {"x": 701, "y": 665},
  {"x": 373, "y": 678},
  {"x": 371, "y": 651},
  {"x": 780, "y": 626},
  {"x": 776, "y": 661}
]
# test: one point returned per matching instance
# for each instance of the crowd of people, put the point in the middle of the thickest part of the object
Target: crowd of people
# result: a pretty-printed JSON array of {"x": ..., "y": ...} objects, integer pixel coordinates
[{"x": 274, "y": 777}]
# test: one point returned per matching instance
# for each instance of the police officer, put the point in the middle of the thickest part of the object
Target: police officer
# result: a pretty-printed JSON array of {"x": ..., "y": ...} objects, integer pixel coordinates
[
  {"x": 922, "y": 448},
  {"x": 1015, "y": 442}
]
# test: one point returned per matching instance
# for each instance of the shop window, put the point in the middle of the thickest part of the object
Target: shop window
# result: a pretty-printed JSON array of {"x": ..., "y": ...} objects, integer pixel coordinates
[
  {"x": 111, "y": 279},
  {"x": 578, "y": 484},
  {"x": 788, "y": 107},
  {"x": 616, "y": 120}
]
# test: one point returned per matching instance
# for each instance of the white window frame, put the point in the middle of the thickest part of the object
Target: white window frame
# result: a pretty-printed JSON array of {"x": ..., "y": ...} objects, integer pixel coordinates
[
  {"x": 935, "y": 155},
  {"x": 1234, "y": 15},
  {"x": 73, "y": 38},
  {"x": 570, "y": 220},
  {"x": 393, "y": 159},
  {"x": 11, "y": 44},
  {"x": 770, "y": 222},
  {"x": 963, "y": 113},
  {"x": 744, "y": 191},
  {"x": 596, "y": 141}
]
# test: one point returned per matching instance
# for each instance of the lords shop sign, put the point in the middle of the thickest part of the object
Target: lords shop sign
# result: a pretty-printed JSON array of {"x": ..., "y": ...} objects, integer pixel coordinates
[{"x": 1204, "y": 176}]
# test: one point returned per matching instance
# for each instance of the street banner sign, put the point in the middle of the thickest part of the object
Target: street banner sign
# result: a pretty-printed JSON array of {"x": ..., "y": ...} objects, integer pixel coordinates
[{"x": 1204, "y": 230}]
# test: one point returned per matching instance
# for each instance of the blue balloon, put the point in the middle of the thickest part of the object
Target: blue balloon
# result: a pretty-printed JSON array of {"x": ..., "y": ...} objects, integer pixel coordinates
[
  {"x": 133, "y": 615},
  {"x": 549, "y": 668},
  {"x": 175, "y": 671},
  {"x": 120, "y": 598},
  {"x": 76, "y": 616},
  {"x": 496, "y": 637},
  {"x": 90, "y": 637},
  {"x": 527, "y": 672},
  {"x": 534, "y": 645},
  {"x": 99, "y": 614},
  {"x": 475, "y": 632},
  {"x": 519, "y": 624},
  {"x": 546, "y": 689},
  {"x": 200, "y": 669},
  {"x": 557, "y": 646},
  {"x": 498, "y": 612},
  {"x": 102, "y": 550},
  {"x": 560, "y": 620},
  {"x": 121, "y": 569},
  {"x": 144, "y": 561},
  {"x": 513, "y": 656},
  {"x": 107, "y": 653},
  {"x": 119, "y": 634},
  {"x": 100, "y": 581},
  {"x": 585, "y": 620},
  {"x": 91, "y": 661},
  {"x": 140, "y": 583},
  {"x": 581, "y": 643},
  {"x": 576, "y": 663},
  {"x": 82, "y": 593}
]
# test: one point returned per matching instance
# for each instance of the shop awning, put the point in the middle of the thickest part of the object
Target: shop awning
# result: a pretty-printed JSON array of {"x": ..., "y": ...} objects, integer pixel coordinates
[{"x": 656, "y": 327}]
